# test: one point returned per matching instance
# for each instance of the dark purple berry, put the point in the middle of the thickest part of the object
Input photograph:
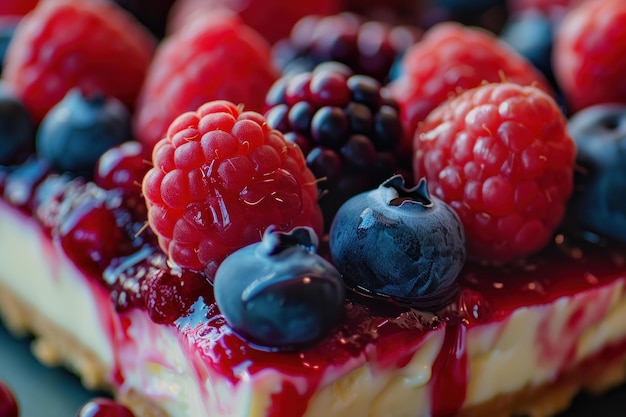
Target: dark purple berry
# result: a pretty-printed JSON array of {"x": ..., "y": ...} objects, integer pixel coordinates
[
  {"x": 8, "y": 402},
  {"x": 398, "y": 242},
  {"x": 300, "y": 117},
  {"x": 104, "y": 407},
  {"x": 78, "y": 130},
  {"x": 279, "y": 293},
  {"x": 598, "y": 203},
  {"x": 341, "y": 132},
  {"x": 367, "y": 47},
  {"x": 329, "y": 127}
]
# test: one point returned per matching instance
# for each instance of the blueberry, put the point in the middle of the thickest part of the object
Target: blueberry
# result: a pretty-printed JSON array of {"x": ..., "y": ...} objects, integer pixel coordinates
[
  {"x": 598, "y": 203},
  {"x": 78, "y": 130},
  {"x": 398, "y": 242},
  {"x": 17, "y": 131},
  {"x": 279, "y": 293}
]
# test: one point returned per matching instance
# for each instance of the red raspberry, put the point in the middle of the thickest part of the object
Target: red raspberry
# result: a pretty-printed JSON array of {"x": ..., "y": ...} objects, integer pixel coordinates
[
  {"x": 62, "y": 44},
  {"x": 216, "y": 57},
  {"x": 452, "y": 58},
  {"x": 589, "y": 55},
  {"x": 16, "y": 7},
  {"x": 220, "y": 178},
  {"x": 271, "y": 18},
  {"x": 501, "y": 156}
]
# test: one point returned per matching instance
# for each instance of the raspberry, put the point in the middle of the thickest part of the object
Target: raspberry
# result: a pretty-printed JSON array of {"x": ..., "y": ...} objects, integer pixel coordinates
[
  {"x": 220, "y": 178},
  {"x": 449, "y": 59},
  {"x": 93, "y": 45},
  {"x": 368, "y": 47},
  {"x": 344, "y": 125},
  {"x": 590, "y": 54},
  {"x": 501, "y": 156},
  {"x": 16, "y": 8},
  {"x": 271, "y": 18},
  {"x": 217, "y": 57}
]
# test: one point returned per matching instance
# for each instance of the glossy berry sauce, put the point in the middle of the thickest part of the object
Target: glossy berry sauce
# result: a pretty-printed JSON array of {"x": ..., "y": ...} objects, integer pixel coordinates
[{"x": 382, "y": 332}]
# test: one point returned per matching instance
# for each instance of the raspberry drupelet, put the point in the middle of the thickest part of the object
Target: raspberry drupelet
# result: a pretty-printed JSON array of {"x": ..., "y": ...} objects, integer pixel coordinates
[
  {"x": 501, "y": 156},
  {"x": 220, "y": 178}
]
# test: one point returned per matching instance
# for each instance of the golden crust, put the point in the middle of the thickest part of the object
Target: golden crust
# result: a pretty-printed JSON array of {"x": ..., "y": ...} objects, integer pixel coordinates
[{"x": 54, "y": 347}]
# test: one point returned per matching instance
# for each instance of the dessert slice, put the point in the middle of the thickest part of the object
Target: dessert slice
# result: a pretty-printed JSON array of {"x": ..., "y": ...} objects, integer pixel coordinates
[
  {"x": 514, "y": 339},
  {"x": 178, "y": 306}
]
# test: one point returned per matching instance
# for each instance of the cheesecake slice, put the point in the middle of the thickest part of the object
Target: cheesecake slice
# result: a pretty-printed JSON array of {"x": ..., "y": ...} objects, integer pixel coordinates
[{"x": 512, "y": 340}]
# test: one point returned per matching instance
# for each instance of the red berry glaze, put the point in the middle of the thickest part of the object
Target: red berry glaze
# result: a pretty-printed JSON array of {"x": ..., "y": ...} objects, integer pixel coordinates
[
  {"x": 501, "y": 156},
  {"x": 216, "y": 57},
  {"x": 42, "y": 62},
  {"x": 589, "y": 56},
  {"x": 104, "y": 407},
  {"x": 452, "y": 58},
  {"x": 8, "y": 402},
  {"x": 220, "y": 178}
]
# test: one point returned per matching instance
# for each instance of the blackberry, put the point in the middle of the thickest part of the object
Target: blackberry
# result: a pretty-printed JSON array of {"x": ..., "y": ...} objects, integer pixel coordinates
[
  {"x": 366, "y": 46},
  {"x": 345, "y": 124}
]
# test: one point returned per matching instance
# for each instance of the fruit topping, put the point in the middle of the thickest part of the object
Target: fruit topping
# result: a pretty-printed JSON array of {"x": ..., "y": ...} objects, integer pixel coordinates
[
  {"x": 220, "y": 178},
  {"x": 398, "y": 242},
  {"x": 104, "y": 407},
  {"x": 19, "y": 187},
  {"x": 8, "y": 402},
  {"x": 79, "y": 129},
  {"x": 501, "y": 156},
  {"x": 93, "y": 45},
  {"x": 368, "y": 47},
  {"x": 451, "y": 58},
  {"x": 16, "y": 8},
  {"x": 17, "y": 131},
  {"x": 590, "y": 54},
  {"x": 278, "y": 293},
  {"x": 216, "y": 57},
  {"x": 598, "y": 203},
  {"x": 344, "y": 124},
  {"x": 122, "y": 168},
  {"x": 87, "y": 229}
]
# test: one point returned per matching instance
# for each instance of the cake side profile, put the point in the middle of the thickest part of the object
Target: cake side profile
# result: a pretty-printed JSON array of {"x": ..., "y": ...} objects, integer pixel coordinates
[{"x": 304, "y": 262}]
